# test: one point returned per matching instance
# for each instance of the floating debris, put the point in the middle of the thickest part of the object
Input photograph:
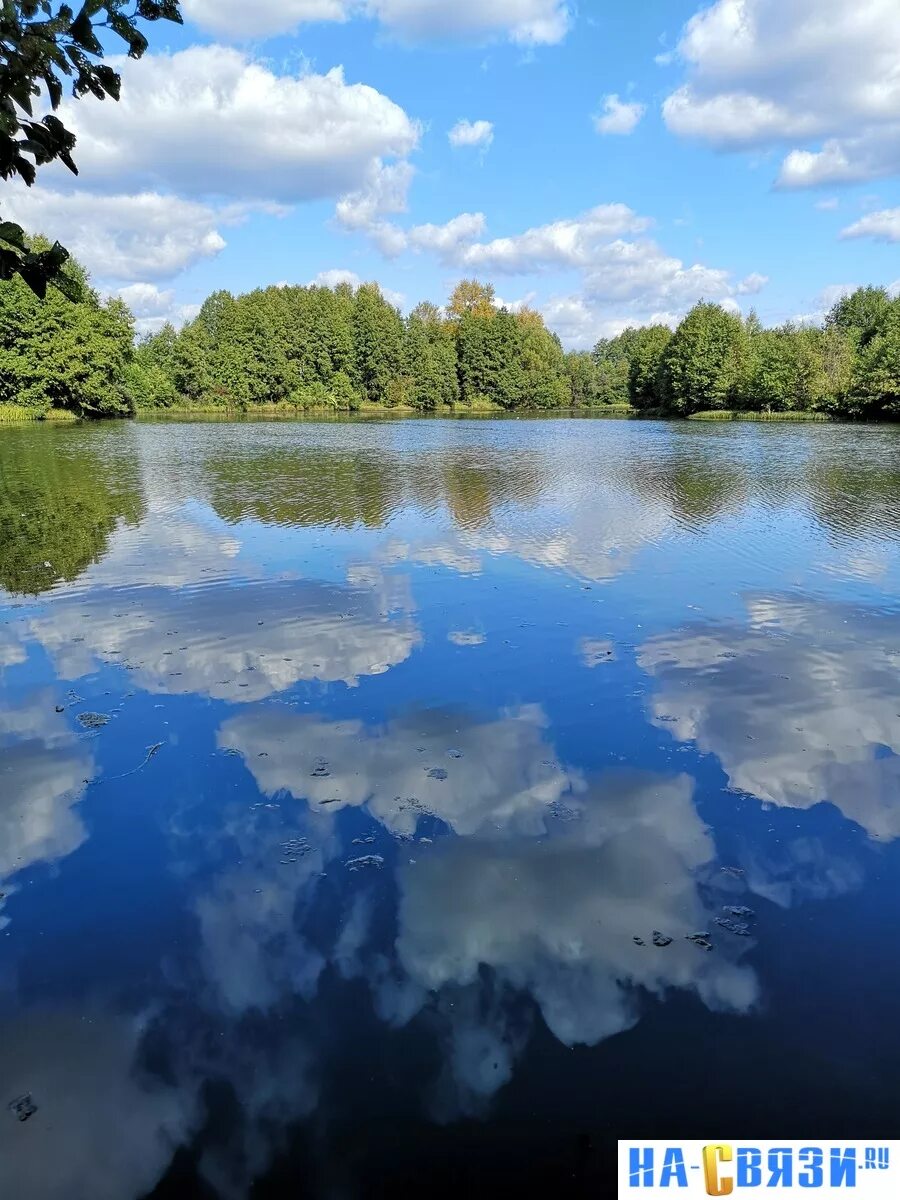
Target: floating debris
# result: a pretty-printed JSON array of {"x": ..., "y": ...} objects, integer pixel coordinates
[
  {"x": 365, "y": 860},
  {"x": 23, "y": 1107},
  {"x": 737, "y": 872},
  {"x": 739, "y": 928},
  {"x": 60, "y": 708},
  {"x": 294, "y": 849},
  {"x": 92, "y": 720},
  {"x": 660, "y": 939},
  {"x": 333, "y": 800},
  {"x": 320, "y": 770},
  {"x": 151, "y": 750},
  {"x": 740, "y": 910},
  {"x": 366, "y": 841},
  {"x": 639, "y": 941},
  {"x": 454, "y": 753},
  {"x": 699, "y": 939},
  {"x": 436, "y": 773}
]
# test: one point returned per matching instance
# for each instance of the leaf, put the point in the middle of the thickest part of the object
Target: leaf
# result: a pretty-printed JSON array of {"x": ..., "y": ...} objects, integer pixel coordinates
[{"x": 82, "y": 32}]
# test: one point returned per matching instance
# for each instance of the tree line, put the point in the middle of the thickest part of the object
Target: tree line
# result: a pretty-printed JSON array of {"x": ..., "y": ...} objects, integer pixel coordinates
[
  {"x": 715, "y": 361},
  {"x": 347, "y": 348}
]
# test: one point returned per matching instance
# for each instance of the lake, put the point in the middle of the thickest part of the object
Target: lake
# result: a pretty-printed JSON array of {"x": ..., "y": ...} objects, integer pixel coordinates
[{"x": 413, "y": 807}]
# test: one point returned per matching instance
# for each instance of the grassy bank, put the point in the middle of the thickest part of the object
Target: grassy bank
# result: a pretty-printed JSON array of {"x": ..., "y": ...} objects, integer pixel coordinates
[
  {"x": 728, "y": 414},
  {"x": 294, "y": 411},
  {"x": 16, "y": 414}
]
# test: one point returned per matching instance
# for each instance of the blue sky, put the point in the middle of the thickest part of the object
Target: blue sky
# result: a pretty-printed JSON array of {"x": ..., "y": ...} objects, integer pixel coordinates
[{"x": 749, "y": 154}]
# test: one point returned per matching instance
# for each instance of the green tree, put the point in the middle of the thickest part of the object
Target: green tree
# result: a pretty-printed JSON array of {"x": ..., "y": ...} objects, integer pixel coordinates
[
  {"x": 876, "y": 390},
  {"x": 862, "y": 314},
  {"x": 377, "y": 334},
  {"x": 66, "y": 351},
  {"x": 645, "y": 358},
  {"x": 698, "y": 369}
]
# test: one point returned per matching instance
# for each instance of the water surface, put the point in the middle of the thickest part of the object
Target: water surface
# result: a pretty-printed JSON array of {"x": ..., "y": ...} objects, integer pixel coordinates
[{"x": 349, "y": 771}]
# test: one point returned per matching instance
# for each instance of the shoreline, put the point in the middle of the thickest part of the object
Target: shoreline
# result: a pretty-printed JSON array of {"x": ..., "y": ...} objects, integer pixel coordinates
[{"x": 17, "y": 415}]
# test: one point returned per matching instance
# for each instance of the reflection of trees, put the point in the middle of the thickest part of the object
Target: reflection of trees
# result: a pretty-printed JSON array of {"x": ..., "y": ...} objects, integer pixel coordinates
[
  {"x": 693, "y": 476},
  {"x": 304, "y": 486},
  {"x": 60, "y": 499},
  {"x": 858, "y": 497}
]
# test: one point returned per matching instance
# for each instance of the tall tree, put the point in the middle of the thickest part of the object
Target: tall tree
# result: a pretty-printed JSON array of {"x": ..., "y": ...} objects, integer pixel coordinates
[{"x": 698, "y": 367}]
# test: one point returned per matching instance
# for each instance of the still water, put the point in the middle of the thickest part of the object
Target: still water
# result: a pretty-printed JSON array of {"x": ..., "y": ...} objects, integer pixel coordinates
[{"x": 362, "y": 785}]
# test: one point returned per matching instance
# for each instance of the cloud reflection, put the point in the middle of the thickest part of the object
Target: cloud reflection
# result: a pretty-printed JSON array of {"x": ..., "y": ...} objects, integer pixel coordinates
[{"x": 799, "y": 704}]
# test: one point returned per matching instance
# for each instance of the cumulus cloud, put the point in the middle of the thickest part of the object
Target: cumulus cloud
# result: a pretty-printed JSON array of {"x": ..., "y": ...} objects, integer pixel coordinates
[
  {"x": 820, "y": 71},
  {"x": 501, "y": 776},
  {"x": 524, "y": 22},
  {"x": 335, "y": 276},
  {"x": 883, "y": 226},
  {"x": 561, "y": 244},
  {"x": 143, "y": 237},
  {"x": 626, "y": 279},
  {"x": 798, "y": 704},
  {"x": 471, "y": 133},
  {"x": 557, "y": 918},
  {"x": 752, "y": 284},
  {"x": 210, "y": 120},
  {"x": 153, "y": 308},
  {"x": 43, "y": 769},
  {"x": 618, "y": 116},
  {"x": 284, "y": 632}
]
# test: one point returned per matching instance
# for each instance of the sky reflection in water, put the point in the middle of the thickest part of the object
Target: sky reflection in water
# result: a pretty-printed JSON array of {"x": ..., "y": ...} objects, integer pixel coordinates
[{"x": 448, "y": 717}]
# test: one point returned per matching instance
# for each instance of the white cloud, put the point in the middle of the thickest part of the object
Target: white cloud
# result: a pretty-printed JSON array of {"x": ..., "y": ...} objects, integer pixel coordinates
[
  {"x": 828, "y": 204},
  {"x": 334, "y": 277},
  {"x": 752, "y": 284},
  {"x": 451, "y": 240},
  {"x": 383, "y": 191},
  {"x": 624, "y": 281},
  {"x": 286, "y": 632},
  {"x": 210, "y": 120},
  {"x": 763, "y": 73},
  {"x": 558, "y": 917},
  {"x": 790, "y": 724},
  {"x": 153, "y": 308},
  {"x": 505, "y": 778},
  {"x": 338, "y": 275},
  {"x": 471, "y": 133},
  {"x": 567, "y": 243},
  {"x": 525, "y": 22},
  {"x": 883, "y": 226},
  {"x": 618, "y": 116},
  {"x": 140, "y": 237}
]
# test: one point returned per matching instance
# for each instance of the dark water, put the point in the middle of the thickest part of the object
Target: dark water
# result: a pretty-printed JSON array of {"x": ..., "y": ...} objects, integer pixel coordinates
[{"x": 413, "y": 728}]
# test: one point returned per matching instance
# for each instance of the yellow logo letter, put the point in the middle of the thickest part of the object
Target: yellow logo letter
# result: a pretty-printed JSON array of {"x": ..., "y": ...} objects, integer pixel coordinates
[{"x": 712, "y": 1156}]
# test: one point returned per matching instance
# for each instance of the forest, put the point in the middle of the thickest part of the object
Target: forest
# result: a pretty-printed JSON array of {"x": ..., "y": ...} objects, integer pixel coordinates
[{"x": 346, "y": 349}]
